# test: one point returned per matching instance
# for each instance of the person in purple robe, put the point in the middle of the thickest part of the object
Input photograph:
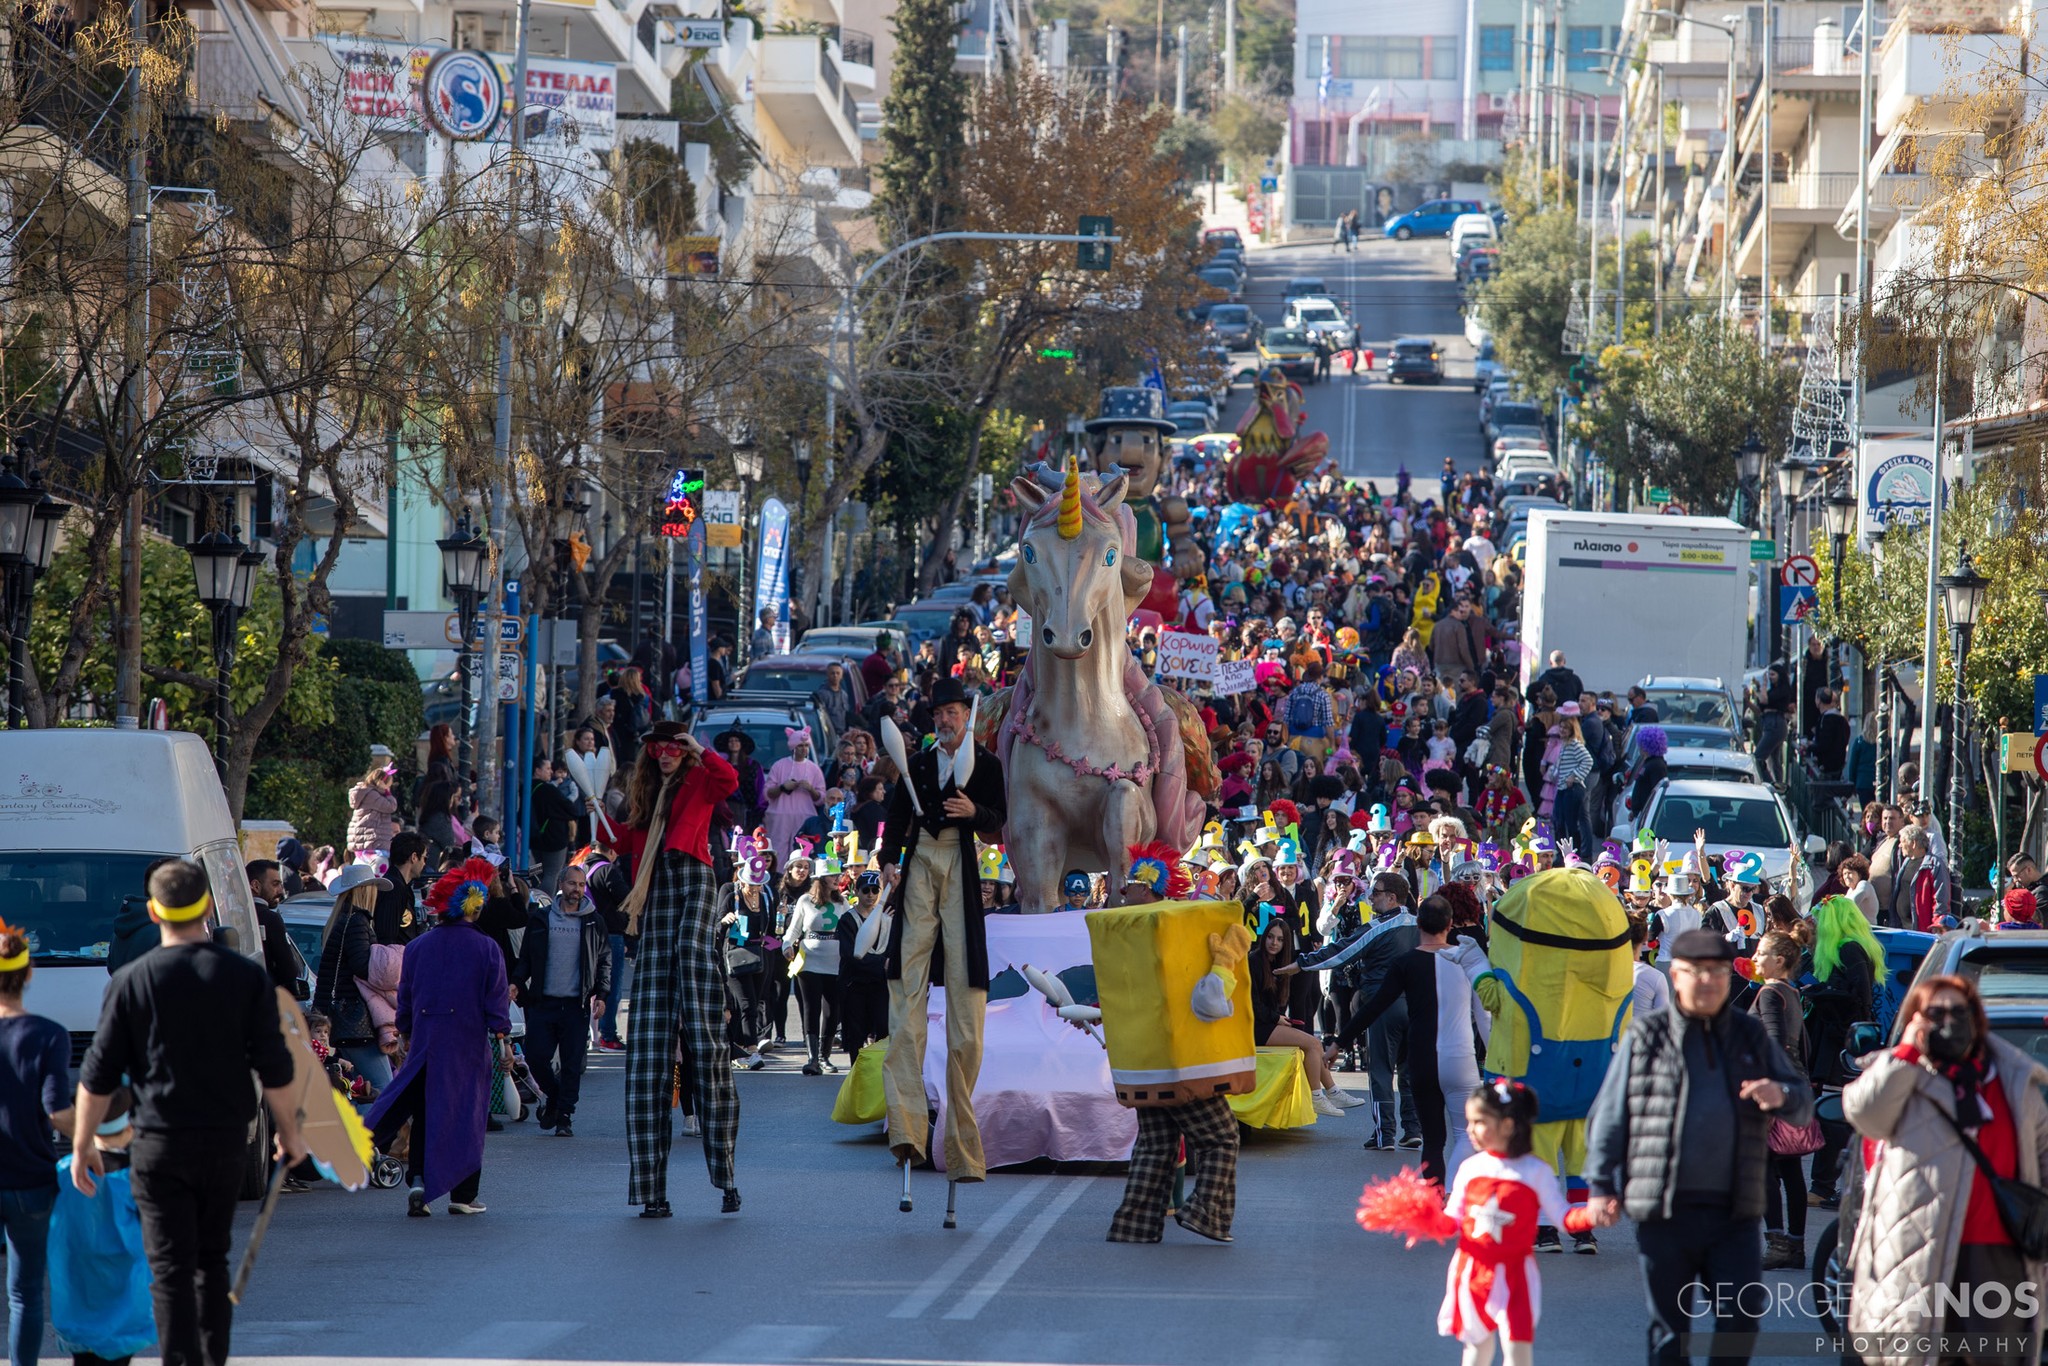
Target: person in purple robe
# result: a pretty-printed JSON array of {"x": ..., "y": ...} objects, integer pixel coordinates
[{"x": 454, "y": 1009}]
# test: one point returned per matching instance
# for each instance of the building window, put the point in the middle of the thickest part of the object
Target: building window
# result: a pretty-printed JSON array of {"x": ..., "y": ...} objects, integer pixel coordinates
[
  {"x": 1377, "y": 58},
  {"x": 1579, "y": 47},
  {"x": 1852, "y": 24},
  {"x": 1443, "y": 59},
  {"x": 1497, "y": 47}
]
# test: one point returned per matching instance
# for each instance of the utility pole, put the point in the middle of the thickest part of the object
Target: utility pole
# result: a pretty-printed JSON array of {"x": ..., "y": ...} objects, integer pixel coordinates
[
  {"x": 1158, "y": 51},
  {"x": 487, "y": 766},
  {"x": 1862, "y": 239},
  {"x": 1557, "y": 77},
  {"x": 128, "y": 639},
  {"x": 1728, "y": 155},
  {"x": 1930, "y": 688},
  {"x": 1230, "y": 47},
  {"x": 1764, "y": 211},
  {"x": 1620, "y": 206},
  {"x": 1180, "y": 71},
  {"x": 1525, "y": 62},
  {"x": 1657, "y": 218}
]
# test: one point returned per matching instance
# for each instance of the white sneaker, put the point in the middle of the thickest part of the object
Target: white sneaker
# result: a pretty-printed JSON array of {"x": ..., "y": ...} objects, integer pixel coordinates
[
  {"x": 691, "y": 1128},
  {"x": 1325, "y": 1106},
  {"x": 1345, "y": 1098},
  {"x": 474, "y": 1207}
]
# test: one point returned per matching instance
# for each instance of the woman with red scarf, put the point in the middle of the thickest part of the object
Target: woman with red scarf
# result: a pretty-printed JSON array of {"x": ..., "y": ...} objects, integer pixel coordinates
[{"x": 679, "y": 972}]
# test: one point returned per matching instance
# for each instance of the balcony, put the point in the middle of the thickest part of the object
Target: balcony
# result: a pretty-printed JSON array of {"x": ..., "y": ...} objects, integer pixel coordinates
[
  {"x": 581, "y": 30},
  {"x": 829, "y": 13},
  {"x": 857, "y": 59},
  {"x": 798, "y": 84},
  {"x": 1923, "y": 77},
  {"x": 1890, "y": 197}
]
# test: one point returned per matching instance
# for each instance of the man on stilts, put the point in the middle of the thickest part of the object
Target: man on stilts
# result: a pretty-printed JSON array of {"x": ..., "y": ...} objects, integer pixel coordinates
[{"x": 949, "y": 793}]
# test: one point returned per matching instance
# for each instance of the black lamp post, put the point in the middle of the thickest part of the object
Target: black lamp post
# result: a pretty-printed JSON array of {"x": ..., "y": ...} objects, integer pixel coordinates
[
  {"x": 1840, "y": 513},
  {"x": 1963, "y": 592},
  {"x": 1884, "y": 673},
  {"x": 1749, "y": 466},
  {"x": 464, "y": 553},
  {"x": 28, "y": 538},
  {"x": 223, "y": 568},
  {"x": 748, "y": 465}
]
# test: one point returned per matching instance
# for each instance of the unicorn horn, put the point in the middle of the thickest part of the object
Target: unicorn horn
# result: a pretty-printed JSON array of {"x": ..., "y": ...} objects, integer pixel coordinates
[
  {"x": 892, "y": 745},
  {"x": 963, "y": 763},
  {"x": 1070, "y": 501}
]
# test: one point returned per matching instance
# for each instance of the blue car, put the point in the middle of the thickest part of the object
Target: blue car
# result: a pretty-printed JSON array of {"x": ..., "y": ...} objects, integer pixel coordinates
[{"x": 1432, "y": 219}]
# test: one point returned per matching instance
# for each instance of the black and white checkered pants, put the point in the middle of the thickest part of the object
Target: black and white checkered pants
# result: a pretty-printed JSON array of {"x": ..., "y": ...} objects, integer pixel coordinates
[
  {"x": 678, "y": 983},
  {"x": 1210, "y": 1129}
]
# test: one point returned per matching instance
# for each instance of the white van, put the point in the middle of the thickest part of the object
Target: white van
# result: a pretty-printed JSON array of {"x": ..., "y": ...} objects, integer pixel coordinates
[{"x": 1468, "y": 229}]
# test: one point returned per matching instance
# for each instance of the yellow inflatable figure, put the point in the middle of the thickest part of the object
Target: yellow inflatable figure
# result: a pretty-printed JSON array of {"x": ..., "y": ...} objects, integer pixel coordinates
[
  {"x": 1558, "y": 988},
  {"x": 1423, "y": 615},
  {"x": 1176, "y": 1006}
]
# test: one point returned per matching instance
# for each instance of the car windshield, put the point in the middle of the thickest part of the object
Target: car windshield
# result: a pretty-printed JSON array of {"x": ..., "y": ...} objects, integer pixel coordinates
[
  {"x": 1321, "y": 315},
  {"x": 762, "y": 679},
  {"x": 2008, "y": 972},
  {"x": 66, "y": 902},
  {"x": 1220, "y": 276},
  {"x": 1710, "y": 771},
  {"x": 1229, "y": 313},
  {"x": 1308, "y": 286},
  {"x": 2029, "y": 1036},
  {"x": 1189, "y": 424},
  {"x": 1512, "y": 414},
  {"x": 770, "y": 743},
  {"x": 1684, "y": 707},
  {"x": 1743, "y": 822},
  {"x": 1285, "y": 336}
]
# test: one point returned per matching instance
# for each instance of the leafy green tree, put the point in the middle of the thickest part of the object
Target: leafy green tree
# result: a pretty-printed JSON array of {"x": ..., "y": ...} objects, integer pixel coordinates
[
  {"x": 1194, "y": 144},
  {"x": 1249, "y": 131},
  {"x": 1526, "y": 303},
  {"x": 924, "y": 122}
]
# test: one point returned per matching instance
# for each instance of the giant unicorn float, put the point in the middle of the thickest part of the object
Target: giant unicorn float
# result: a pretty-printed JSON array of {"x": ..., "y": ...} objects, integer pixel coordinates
[{"x": 1096, "y": 756}]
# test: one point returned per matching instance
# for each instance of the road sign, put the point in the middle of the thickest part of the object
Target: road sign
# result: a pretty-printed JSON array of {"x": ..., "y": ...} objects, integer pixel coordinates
[
  {"x": 1269, "y": 184},
  {"x": 1763, "y": 551},
  {"x": 415, "y": 630},
  {"x": 1796, "y": 602},
  {"x": 511, "y": 630},
  {"x": 511, "y": 673},
  {"x": 1799, "y": 572},
  {"x": 2041, "y": 704},
  {"x": 1660, "y": 495},
  {"x": 1095, "y": 255}
]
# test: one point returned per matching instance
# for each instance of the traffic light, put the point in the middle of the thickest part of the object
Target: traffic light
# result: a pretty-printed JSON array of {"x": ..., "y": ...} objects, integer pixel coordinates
[{"x": 1094, "y": 255}]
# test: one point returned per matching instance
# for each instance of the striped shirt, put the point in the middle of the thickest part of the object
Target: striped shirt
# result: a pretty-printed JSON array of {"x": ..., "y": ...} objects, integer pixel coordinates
[{"x": 1574, "y": 763}]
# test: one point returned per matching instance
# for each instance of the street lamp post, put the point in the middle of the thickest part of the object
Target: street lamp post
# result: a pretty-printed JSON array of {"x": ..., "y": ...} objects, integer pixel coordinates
[
  {"x": 1884, "y": 673},
  {"x": 1791, "y": 483},
  {"x": 748, "y": 465},
  {"x": 223, "y": 570},
  {"x": 465, "y": 553},
  {"x": 28, "y": 537},
  {"x": 1963, "y": 592}
]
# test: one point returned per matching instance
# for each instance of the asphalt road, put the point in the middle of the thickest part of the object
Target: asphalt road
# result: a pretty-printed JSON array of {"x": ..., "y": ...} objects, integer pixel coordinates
[{"x": 1395, "y": 289}]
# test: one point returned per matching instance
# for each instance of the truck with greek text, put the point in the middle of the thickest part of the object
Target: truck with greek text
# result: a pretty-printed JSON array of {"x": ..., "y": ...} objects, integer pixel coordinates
[{"x": 1625, "y": 596}]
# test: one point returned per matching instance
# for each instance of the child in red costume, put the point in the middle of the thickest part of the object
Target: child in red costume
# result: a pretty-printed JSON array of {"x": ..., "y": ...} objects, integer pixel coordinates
[{"x": 1498, "y": 1198}]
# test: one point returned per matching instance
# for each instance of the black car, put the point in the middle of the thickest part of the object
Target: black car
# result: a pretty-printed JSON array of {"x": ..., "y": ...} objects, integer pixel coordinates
[
  {"x": 1234, "y": 325},
  {"x": 1222, "y": 278},
  {"x": 1416, "y": 359},
  {"x": 1302, "y": 285}
]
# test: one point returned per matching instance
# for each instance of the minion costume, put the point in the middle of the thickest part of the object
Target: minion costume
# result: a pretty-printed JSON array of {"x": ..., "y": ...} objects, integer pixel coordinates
[
  {"x": 1176, "y": 1007},
  {"x": 1558, "y": 982}
]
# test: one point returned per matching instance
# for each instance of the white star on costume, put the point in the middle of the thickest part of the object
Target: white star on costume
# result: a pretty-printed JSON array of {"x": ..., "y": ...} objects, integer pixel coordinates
[{"x": 1490, "y": 1219}]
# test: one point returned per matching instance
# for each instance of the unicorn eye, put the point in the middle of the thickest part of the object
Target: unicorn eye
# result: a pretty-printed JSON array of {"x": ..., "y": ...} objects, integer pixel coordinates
[
  {"x": 1030, "y": 555},
  {"x": 1110, "y": 558}
]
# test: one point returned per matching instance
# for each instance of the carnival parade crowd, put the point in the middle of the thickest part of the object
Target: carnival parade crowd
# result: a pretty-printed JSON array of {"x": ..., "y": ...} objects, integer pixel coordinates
[{"x": 1413, "y": 842}]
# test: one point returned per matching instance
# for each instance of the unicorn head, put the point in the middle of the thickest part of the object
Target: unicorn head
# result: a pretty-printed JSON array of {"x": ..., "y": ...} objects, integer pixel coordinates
[{"x": 1072, "y": 571}]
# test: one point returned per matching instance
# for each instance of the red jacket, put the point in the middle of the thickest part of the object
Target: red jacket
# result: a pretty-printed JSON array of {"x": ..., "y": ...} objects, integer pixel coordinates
[{"x": 689, "y": 813}]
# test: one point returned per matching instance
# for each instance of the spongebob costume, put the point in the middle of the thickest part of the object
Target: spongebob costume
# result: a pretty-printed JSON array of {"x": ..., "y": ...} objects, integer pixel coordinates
[
  {"x": 1557, "y": 982},
  {"x": 1177, "y": 1012}
]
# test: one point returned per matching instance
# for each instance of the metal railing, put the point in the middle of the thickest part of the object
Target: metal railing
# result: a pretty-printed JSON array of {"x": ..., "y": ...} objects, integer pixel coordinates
[
  {"x": 57, "y": 92},
  {"x": 1814, "y": 190},
  {"x": 856, "y": 47}
]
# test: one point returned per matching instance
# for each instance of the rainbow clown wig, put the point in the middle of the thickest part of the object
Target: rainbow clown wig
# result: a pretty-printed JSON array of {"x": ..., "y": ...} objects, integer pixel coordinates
[
  {"x": 462, "y": 890},
  {"x": 1158, "y": 865}
]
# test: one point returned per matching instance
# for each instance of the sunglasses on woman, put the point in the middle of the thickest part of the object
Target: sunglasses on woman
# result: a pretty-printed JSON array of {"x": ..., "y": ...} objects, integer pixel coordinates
[{"x": 666, "y": 749}]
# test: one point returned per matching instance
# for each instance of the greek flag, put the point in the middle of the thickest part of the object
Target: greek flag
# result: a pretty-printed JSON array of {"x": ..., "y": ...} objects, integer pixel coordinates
[{"x": 1323, "y": 81}]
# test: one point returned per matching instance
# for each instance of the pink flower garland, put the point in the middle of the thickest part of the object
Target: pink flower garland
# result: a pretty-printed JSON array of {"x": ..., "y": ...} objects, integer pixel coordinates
[{"x": 1140, "y": 774}]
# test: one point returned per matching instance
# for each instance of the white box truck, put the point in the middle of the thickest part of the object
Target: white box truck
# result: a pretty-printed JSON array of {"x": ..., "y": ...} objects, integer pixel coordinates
[{"x": 1625, "y": 595}]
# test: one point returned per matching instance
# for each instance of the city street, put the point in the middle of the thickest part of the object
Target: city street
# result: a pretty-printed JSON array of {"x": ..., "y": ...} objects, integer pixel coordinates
[
  {"x": 819, "y": 1267},
  {"x": 1395, "y": 289}
]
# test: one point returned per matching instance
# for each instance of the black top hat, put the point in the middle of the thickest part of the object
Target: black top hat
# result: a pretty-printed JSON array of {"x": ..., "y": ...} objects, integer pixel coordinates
[
  {"x": 948, "y": 690},
  {"x": 1132, "y": 405}
]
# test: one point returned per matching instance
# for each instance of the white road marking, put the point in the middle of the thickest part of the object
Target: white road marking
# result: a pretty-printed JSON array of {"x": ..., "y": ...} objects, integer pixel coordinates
[
  {"x": 1019, "y": 1252},
  {"x": 772, "y": 1342},
  {"x": 935, "y": 1285},
  {"x": 514, "y": 1338}
]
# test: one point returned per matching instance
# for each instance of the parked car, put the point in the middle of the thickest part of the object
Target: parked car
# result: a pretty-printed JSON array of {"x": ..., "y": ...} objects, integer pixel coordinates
[
  {"x": 1468, "y": 229},
  {"x": 1512, "y": 413},
  {"x": 852, "y": 642},
  {"x": 1416, "y": 358},
  {"x": 1682, "y": 762},
  {"x": 1234, "y": 325},
  {"x": 1477, "y": 263},
  {"x": 1747, "y": 816},
  {"x": 1476, "y": 331},
  {"x": 1693, "y": 702},
  {"x": 1191, "y": 419},
  {"x": 1300, "y": 286},
  {"x": 1485, "y": 366},
  {"x": 1216, "y": 238},
  {"x": 763, "y": 720},
  {"x": 800, "y": 675},
  {"x": 1232, "y": 257},
  {"x": 305, "y": 922},
  {"x": 1290, "y": 349},
  {"x": 1222, "y": 278},
  {"x": 1320, "y": 316},
  {"x": 929, "y": 619},
  {"x": 1431, "y": 219}
]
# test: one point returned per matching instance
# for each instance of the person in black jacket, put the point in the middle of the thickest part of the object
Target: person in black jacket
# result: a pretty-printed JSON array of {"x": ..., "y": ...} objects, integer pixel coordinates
[
  {"x": 345, "y": 956},
  {"x": 863, "y": 977},
  {"x": 554, "y": 822},
  {"x": 1679, "y": 1138},
  {"x": 1830, "y": 748},
  {"x": 560, "y": 995},
  {"x": 397, "y": 918},
  {"x": 1652, "y": 741}
]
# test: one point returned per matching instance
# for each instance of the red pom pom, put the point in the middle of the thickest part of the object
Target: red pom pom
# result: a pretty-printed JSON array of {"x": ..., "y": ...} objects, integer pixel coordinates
[{"x": 1406, "y": 1204}]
